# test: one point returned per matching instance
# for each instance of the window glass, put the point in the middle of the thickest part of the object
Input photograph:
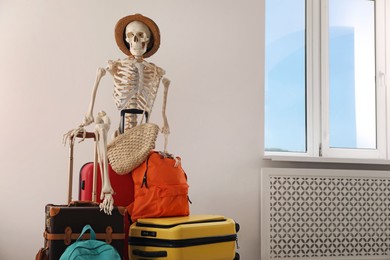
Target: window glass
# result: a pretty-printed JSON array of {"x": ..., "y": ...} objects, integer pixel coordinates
[
  {"x": 352, "y": 90},
  {"x": 285, "y": 76}
]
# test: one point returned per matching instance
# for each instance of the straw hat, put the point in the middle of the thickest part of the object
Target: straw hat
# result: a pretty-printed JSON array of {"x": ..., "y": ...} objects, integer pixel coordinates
[{"x": 120, "y": 27}]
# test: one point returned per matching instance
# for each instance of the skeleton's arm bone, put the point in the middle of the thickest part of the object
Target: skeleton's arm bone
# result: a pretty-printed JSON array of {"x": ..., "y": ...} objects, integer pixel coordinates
[
  {"x": 166, "y": 82},
  {"x": 88, "y": 118},
  {"x": 165, "y": 129},
  {"x": 89, "y": 115}
]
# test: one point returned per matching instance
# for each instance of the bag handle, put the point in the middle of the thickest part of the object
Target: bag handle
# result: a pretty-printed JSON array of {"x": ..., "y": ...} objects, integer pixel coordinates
[
  {"x": 91, "y": 231},
  {"x": 72, "y": 139}
]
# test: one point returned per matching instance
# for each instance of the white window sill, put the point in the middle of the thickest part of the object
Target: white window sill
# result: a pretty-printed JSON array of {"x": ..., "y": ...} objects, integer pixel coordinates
[{"x": 284, "y": 158}]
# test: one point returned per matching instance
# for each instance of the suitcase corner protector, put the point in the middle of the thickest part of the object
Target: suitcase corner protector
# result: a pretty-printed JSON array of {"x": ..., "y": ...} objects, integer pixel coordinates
[
  {"x": 54, "y": 211},
  {"x": 122, "y": 210}
]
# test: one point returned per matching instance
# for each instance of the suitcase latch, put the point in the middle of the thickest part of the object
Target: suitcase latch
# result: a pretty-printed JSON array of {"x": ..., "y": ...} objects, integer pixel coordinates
[
  {"x": 146, "y": 233},
  {"x": 68, "y": 236},
  {"x": 108, "y": 234}
]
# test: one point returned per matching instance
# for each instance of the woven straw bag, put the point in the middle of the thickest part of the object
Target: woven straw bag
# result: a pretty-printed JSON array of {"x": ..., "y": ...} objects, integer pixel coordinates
[{"x": 128, "y": 150}]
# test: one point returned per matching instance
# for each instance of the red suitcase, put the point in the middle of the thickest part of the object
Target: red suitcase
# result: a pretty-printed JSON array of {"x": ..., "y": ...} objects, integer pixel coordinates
[{"x": 123, "y": 185}]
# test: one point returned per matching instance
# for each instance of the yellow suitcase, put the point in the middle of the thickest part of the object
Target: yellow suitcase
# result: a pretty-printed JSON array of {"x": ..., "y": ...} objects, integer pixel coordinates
[{"x": 197, "y": 237}]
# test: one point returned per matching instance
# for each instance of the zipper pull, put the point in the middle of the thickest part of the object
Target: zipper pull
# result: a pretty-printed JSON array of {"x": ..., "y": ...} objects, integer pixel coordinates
[
  {"x": 144, "y": 181},
  {"x": 188, "y": 197}
]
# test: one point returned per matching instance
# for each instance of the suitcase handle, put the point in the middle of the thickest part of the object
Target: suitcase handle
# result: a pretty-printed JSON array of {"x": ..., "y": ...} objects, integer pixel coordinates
[
  {"x": 80, "y": 203},
  {"x": 152, "y": 254},
  {"x": 82, "y": 135},
  {"x": 131, "y": 111}
]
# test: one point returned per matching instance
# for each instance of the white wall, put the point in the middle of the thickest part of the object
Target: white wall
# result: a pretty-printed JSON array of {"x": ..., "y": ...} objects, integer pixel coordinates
[{"x": 49, "y": 52}]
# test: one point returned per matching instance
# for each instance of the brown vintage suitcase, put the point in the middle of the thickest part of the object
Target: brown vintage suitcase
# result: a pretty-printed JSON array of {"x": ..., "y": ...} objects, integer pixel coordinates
[{"x": 65, "y": 222}]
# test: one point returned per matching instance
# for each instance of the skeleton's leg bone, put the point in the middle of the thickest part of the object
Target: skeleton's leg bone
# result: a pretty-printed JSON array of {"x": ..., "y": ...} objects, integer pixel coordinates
[{"x": 102, "y": 125}]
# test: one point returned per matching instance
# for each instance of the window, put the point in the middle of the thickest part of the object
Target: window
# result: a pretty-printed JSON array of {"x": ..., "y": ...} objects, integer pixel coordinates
[{"x": 325, "y": 78}]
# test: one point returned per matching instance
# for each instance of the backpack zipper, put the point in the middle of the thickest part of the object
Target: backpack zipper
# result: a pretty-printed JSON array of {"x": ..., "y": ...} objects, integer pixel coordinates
[{"x": 144, "y": 179}]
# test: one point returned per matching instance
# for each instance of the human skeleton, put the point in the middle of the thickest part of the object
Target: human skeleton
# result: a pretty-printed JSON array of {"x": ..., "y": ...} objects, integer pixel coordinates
[{"x": 136, "y": 83}]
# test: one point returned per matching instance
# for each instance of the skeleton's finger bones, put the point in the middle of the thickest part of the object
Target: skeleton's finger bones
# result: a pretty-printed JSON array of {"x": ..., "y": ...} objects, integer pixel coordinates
[
  {"x": 108, "y": 204},
  {"x": 71, "y": 134}
]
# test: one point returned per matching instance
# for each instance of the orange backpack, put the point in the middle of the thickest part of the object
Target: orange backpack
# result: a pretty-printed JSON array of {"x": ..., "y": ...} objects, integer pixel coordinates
[{"x": 160, "y": 188}]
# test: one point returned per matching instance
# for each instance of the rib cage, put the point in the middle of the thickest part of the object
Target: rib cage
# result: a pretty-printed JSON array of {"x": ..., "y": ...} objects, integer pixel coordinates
[{"x": 135, "y": 86}]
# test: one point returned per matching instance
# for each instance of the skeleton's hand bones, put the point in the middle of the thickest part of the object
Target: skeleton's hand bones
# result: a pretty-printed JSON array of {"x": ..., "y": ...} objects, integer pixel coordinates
[
  {"x": 88, "y": 119},
  {"x": 108, "y": 203},
  {"x": 71, "y": 134}
]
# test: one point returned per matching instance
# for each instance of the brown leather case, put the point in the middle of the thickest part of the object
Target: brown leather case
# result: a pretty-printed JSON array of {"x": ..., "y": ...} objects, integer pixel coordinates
[{"x": 64, "y": 224}]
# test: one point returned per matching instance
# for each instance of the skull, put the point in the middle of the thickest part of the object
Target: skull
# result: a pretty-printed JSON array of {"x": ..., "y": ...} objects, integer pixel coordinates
[{"x": 137, "y": 35}]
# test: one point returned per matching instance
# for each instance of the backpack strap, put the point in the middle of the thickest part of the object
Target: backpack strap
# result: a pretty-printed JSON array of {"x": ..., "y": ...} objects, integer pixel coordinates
[{"x": 91, "y": 231}]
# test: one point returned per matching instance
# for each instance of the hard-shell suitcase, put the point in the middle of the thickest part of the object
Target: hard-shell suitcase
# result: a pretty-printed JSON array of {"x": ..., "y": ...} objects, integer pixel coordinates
[
  {"x": 64, "y": 224},
  {"x": 206, "y": 237},
  {"x": 123, "y": 185}
]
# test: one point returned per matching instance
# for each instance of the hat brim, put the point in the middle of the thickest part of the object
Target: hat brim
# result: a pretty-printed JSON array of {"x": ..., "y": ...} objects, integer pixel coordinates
[{"x": 120, "y": 28}]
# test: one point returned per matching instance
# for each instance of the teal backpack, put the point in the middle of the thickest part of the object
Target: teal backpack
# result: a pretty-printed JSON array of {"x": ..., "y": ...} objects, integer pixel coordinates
[{"x": 90, "y": 249}]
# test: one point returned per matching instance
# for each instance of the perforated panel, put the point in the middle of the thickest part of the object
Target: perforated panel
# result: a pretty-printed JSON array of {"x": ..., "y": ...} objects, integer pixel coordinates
[{"x": 327, "y": 216}]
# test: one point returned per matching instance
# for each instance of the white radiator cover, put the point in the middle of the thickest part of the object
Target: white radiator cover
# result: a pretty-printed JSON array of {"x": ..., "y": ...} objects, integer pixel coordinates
[{"x": 325, "y": 214}]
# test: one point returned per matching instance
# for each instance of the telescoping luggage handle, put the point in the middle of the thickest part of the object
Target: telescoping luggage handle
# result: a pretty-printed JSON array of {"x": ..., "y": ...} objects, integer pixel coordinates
[
  {"x": 131, "y": 111},
  {"x": 72, "y": 139}
]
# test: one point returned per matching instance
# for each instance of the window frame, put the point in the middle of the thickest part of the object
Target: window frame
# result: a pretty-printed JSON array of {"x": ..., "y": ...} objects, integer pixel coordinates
[{"x": 317, "y": 98}]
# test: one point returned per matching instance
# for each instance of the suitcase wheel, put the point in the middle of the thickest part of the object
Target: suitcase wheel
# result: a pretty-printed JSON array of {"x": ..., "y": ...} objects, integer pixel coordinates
[
  {"x": 237, "y": 257},
  {"x": 237, "y": 227}
]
